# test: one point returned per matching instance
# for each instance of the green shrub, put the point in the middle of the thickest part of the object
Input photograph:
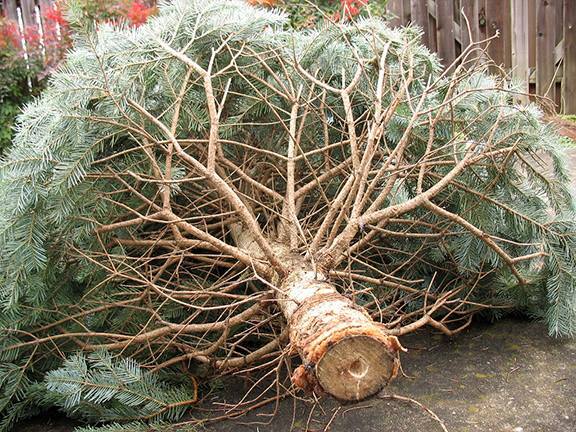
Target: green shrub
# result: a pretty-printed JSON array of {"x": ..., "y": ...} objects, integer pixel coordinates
[
  {"x": 18, "y": 84},
  {"x": 23, "y": 73},
  {"x": 305, "y": 13}
]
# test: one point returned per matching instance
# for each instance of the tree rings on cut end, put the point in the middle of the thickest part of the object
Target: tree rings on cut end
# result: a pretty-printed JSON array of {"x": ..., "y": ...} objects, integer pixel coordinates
[{"x": 356, "y": 367}]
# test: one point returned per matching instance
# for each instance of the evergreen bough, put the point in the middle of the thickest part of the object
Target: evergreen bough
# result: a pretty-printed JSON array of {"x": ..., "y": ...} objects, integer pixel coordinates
[{"x": 167, "y": 198}]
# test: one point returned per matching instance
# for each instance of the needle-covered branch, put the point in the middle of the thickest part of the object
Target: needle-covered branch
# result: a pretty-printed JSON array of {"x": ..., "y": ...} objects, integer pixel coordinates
[{"x": 214, "y": 192}]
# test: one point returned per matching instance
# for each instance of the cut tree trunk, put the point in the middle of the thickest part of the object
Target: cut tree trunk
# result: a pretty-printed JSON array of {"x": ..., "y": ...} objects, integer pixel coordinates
[{"x": 344, "y": 352}]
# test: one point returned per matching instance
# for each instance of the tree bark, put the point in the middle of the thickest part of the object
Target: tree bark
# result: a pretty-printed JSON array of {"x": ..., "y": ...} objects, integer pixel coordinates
[{"x": 344, "y": 352}]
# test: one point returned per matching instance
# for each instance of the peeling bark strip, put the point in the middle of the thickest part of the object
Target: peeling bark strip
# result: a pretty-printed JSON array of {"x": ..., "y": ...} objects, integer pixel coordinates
[{"x": 344, "y": 352}]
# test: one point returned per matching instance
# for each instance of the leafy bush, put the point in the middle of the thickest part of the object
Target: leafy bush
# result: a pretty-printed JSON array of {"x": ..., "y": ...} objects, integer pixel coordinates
[
  {"x": 25, "y": 63},
  {"x": 305, "y": 13},
  {"x": 19, "y": 81},
  {"x": 132, "y": 12}
]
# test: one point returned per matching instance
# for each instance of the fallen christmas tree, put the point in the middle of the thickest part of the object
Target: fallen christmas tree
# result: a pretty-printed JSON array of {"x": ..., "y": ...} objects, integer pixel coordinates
[{"x": 212, "y": 192}]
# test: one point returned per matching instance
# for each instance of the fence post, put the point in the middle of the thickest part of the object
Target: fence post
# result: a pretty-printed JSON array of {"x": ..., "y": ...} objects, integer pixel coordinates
[
  {"x": 520, "y": 51},
  {"x": 470, "y": 10},
  {"x": 545, "y": 45},
  {"x": 396, "y": 8},
  {"x": 445, "y": 29},
  {"x": 419, "y": 11},
  {"x": 569, "y": 76},
  {"x": 28, "y": 11},
  {"x": 10, "y": 10},
  {"x": 498, "y": 20}
]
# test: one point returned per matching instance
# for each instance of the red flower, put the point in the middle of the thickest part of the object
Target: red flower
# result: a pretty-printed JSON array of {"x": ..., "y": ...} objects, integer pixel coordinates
[
  {"x": 56, "y": 27},
  {"x": 32, "y": 37},
  {"x": 9, "y": 35},
  {"x": 352, "y": 7},
  {"x": 54, "y": 16},
  {"x": 138, "y": 13},
  {"x": 50, "y": 46}
]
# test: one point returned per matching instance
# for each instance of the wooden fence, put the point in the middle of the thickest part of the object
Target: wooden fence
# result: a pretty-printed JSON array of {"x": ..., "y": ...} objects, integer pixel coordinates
[
  {"x": 26, "y": 12},
  {"x": 536, "y": 43},
  {"x": 29, "y": 16}
]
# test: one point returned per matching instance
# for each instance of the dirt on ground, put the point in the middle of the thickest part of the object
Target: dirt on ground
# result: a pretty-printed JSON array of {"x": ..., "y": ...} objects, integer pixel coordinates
[{"x": 505, "y": 377}]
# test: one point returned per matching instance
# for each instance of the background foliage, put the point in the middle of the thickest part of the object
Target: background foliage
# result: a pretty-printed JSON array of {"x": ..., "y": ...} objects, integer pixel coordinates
[{"x": 25, "y": 64}]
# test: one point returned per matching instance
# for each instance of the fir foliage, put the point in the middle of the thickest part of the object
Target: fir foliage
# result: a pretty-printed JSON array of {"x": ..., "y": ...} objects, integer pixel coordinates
[
  {"x": 98, "y": 388},
  {"x": 78, "y": 291}
]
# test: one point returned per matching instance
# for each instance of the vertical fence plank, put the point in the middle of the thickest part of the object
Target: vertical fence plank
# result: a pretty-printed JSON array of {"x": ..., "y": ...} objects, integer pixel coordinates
[
  {"x": 28, "y": 12},
  {"x": 559, "y": 50},
  {"x": 433, "y": 35},
  {"x": 559, "y": 7},
  {"x": 482, "y": 22},
  {"x": 569, "y": 77},
  {"x": 470, "y": 10},
  {"x": 545, "y": 44},
  {"x": 10, "y": 10},
  {"x": 520, "y": 51},
  {"x": 445, "y": 30},
  {"x": 406, "y": 12},
  {"x": 419, "y": 11},
  {"x": 396, "y": 8},
  {"x": 532, "y": 32},
  {"x": 498, "y": 21}
]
